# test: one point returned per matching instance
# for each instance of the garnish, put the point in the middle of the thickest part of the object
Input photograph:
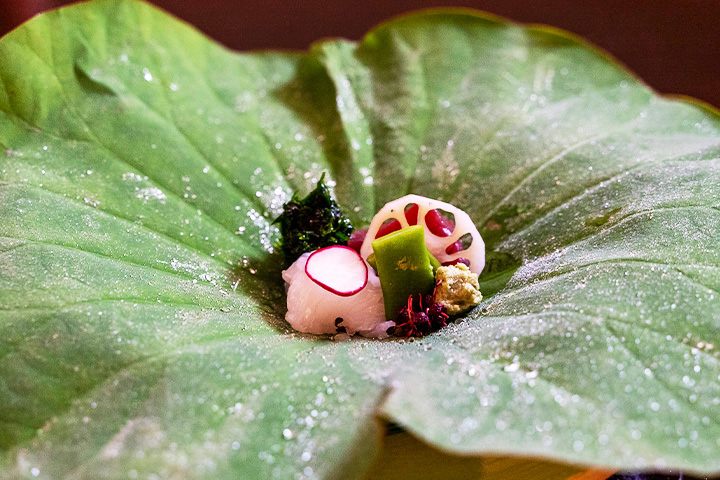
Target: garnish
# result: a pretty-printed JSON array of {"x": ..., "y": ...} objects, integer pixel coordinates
[
  {"x": 332, "y": 289},
  {"x": 457, "y": 288},
  {"x": 313, "y": 222},
  {"x": 322, "y": 268},
  {"x": 357, "y": 238},
  {"x": 418, "y": 317},
  {"x": 404, "y": 266},
  {"x": 449, "y": 240}
]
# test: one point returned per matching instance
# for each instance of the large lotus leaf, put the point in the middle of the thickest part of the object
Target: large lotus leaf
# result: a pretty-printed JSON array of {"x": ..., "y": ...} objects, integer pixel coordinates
[{"x": 141, "y": 321}]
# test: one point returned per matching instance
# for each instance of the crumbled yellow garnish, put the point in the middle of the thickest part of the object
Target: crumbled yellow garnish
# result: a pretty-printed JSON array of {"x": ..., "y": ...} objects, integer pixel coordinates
[{"x": 458, "y": 288}]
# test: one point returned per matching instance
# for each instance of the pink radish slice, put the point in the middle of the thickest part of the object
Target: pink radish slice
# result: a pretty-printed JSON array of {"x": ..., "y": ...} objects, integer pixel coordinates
[{"x": 337, "y": 269}]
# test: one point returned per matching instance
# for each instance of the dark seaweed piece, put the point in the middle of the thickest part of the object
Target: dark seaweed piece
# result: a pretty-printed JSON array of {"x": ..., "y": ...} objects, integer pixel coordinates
[
  {"x": 339, "y": 328},
  {"x": 313, "y": 222}
]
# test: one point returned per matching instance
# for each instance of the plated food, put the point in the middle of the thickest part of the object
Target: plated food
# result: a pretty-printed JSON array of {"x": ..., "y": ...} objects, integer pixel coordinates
[
  {"x": 142, "y": 308},
  {"x": 414, "y": 267}
]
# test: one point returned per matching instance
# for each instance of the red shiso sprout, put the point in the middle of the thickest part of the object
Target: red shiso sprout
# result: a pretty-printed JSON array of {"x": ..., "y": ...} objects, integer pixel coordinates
[{"x": 417, "y": 319}]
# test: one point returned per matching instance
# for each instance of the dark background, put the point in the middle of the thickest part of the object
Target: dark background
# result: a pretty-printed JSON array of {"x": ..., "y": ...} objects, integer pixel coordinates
[{"x": 674, "y": 45}]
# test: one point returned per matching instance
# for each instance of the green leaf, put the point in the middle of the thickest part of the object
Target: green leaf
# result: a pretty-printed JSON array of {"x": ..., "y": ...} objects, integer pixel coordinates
[{"x": 141, "y": 306}]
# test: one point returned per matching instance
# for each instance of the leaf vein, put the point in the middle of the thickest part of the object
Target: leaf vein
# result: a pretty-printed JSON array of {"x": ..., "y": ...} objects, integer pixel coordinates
[{"x": 112, "y": 152}]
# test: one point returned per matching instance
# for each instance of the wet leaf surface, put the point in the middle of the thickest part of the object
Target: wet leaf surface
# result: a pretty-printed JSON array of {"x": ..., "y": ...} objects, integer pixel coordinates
[{"x": 141, "y": 321}]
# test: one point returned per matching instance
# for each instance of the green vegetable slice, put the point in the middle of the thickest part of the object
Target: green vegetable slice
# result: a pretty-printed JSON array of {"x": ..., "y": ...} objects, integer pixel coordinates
[
  {"x": 434, "y": 263},
  {"x": 141, "y": 308},
  {"x": 404, "y": 267}
]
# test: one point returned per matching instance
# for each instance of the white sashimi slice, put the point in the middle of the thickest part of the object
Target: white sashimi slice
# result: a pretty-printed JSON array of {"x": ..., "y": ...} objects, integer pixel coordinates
[
  {"x": 314, "y": 309},
  {"x": 438, "y": 246}
]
